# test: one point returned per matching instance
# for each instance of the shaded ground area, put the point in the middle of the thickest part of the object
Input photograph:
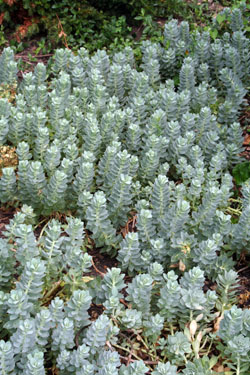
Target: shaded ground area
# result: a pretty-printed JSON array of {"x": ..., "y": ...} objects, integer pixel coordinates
[
  {"x": 243, "y": 269},
  {"x": 245, "y": 122},
  {"x": 6, "y": 213}
]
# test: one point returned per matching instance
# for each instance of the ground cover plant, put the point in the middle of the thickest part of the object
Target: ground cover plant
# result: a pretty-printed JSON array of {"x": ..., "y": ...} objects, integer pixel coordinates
[{"x": 135, "y": 160}]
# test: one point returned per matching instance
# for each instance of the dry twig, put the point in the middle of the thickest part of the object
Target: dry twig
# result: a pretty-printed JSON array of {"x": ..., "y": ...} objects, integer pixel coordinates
[
  {"x": 62, "y": 33},
  {"x": 96, "y": 269}
]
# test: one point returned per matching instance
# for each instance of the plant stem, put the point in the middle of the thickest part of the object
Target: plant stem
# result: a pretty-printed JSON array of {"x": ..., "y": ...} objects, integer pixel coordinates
[
  {"x": 43, "y": 229},
  {"x": 51, "y": 291},
  {"x": 238, "y": 366},
  {"x": 149, "y": 353},
  {"x": 210, "y": 345},
  {"x": 126, "y": 350},
  {"x": 171, "y": 329},
  {"x": 233, "y": 211},
  {"x": 191, "y": 315},
  {"x": 144, "y": 343},
  {"x": 164, "y": 358},
  {"x": 204, "y": 343}
]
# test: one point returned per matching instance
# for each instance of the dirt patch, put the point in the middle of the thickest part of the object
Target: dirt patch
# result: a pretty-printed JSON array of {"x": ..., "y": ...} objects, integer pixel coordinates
[
  {"x": 245, "y": 123},
  {"x": 101, "y": 262},
  {"x": 214, "y": 6},
  {"x": 243, "y": 269},
  {"x": 6, "y": 214},
  {"x": 8, "y": 157}
]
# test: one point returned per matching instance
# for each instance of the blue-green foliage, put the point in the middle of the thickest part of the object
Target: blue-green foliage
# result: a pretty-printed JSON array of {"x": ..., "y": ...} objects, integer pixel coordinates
[
  {"x": 139, "y": 293},
  {"x": 7, "y": 185},
  {"x": 141, "y": 154},
  {"x": 96, "y": 334},
  {"x": 7, "y": 363},
  {"x": 165, "y": 369},
  {"x": 155, "y": 298},
  {"x": 35, "y": 363},
  {"x": 31, "y": 280},
  {"x": 7, "y": 263},
  {"x": 77, "y": 308},
  {"x": 136, "y": 368},
  {"x": 8, "y": 67},
  {"x": 43, "y": 324},
  {"x": 235, "y": 334},
  {"x": 129, "y": 253},
  {"x": 198, "y": 366},
  {"x": 99, "y": 223},
  {"x": 82, "y": 109}
]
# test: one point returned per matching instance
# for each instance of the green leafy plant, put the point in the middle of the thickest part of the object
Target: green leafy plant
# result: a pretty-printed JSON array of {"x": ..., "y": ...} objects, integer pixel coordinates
[{"x": 241, "y": 172}]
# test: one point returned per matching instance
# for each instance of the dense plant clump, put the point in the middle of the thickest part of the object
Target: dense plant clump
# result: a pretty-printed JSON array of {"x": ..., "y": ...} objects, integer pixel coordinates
[{"x": 105, "y": 140}]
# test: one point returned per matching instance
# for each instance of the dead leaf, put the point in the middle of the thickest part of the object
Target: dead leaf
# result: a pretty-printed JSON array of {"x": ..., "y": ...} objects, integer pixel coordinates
[
  {"x": 1, "y": 18},
  {"x": 220, "y": 368},
  {"x": 182, "y": 266},
  {"x": 61, "y": 34},
  {"x": 8, "y": 157},
  {"x": 244, "y": 297},
  {"x": 217, "y": 323},
  {"x": 129, "y": 226},
  {"x": 174, "y": 265},
  {"x": 87, "y": 279},
  {"x": 199, "y": 317},
  {"x": 199, "y": 336},
  {"x": 193, "y": 327},
  {"x": 54, "y": 370},
  {"x": 246, "y": 140}
]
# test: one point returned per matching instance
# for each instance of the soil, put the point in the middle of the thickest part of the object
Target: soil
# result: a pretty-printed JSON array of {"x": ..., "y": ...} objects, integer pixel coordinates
[
  {"x": 30, "y": 58},
  {"x": 101, "y": 262},
  {"x": 245, "y": 123},
  {"x": 243, "y": 269},
  {"x": 6, "y": 213}
]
